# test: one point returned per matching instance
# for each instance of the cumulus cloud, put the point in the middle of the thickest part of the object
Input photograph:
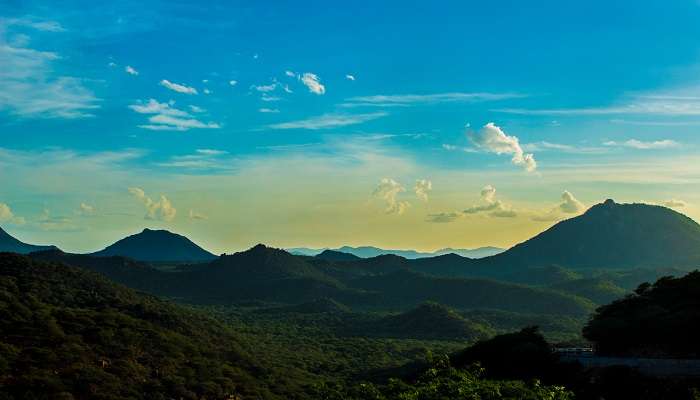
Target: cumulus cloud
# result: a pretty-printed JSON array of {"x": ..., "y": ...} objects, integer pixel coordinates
[
  {"x": 165, "y": 117},
  {"x": 7, "y": 216},
  {"x": 131, "y": 70},
  {"x": 161, "y": 210},
  {"x": 387, "y": 190},
  {"x": 491, "y": 206},
  {"x": 350, "y": 77},
  {"x": 193, "y": 215},
  {"x": 641, "y": 145},
  {"x": 497, "y": 208},
  {"x": 491, "y": 138},
  {"x": 568, "y": 205},
  {"x": 422, "y": 188},
  {"x": 176, "y": 87},
  {"x": 328, "y": 121},
  {"x": 674, "y": 203},
  {"x": 313, "y": 82},
  {"x": 29, "y": 86}
]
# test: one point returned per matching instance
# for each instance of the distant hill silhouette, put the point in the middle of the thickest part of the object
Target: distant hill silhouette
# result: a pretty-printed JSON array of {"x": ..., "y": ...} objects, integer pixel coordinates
[
  {"x": 157, "y": 245},
  {"x": 612, "y": 235},
  {"x": 333, "y": 255},
  {"x": 607, "y": 236},
  {"x": 10, "y": 244},
  {"x": 371, "y": 251}
]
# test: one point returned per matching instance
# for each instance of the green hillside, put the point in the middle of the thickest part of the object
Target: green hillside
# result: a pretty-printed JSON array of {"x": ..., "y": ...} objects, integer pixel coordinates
[{"x": 71, "y": 334}]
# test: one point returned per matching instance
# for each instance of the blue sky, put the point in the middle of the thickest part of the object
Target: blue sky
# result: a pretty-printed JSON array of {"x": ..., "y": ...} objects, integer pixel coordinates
[{"x": 318, "y": 124}]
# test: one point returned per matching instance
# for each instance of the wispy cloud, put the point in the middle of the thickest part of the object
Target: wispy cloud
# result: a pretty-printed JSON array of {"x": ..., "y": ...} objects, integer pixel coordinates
[
  {"x": 329, "y": 121},
  {"x": 28, "y": 85},
  {"x": 650, "y": 104},
  {"x": 350, "y": 77},
  {"x": 131, "y": 70},
  {"x": 313, "y": 82},
  {"x": 268, "y": 110},
  {"x": 642, "y": 145},
  {"x": 414, "y": 99},
  {"x": 165, "y": 117},
  {"x": 176, "y": 87}
]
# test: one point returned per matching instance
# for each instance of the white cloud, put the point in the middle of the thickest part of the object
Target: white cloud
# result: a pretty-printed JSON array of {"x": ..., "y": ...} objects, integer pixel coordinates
[
  {"x": 197, "y": 216},
  {"x": 233, "y": 82},
  {"x": 492, "y": 139},
  {"x": 313, "y": 82},
  {"x": 387, "y": 190},
  {"x": 287, "y": 89},
  {"x": 265, "y": 88},
  {"x": 494, "y": 207},
  {"x": 350, "y": 77},
  {"x": 422, "y": 188},
  {"x": 329, "y": 121},
  {"x": 29, "y": 87},
  {"x": 44, "y": 26},
  {"x": 176, "y": 87},
  {"x": 7, "y": 216},
  {"x": 131, "y": 70},
  {"x": 207, "y": 91},
  {"x": 268, "y": 98},
  {"x": 290, "y": 73},
  {"x": 683, "y": 103},
  {"x": 161, "y": 210},
  {"x": 674, "y": 203},
  {"x": 568, "y": 205},
  {"x": 641, "y": 145},
  {"x": 268, "y": 110},
  {"x": 412, "y": 99},
  {"x": 197, "y": 109},
  {"x": 211, "y": 152},
  {"x": 165, "y": 117}
]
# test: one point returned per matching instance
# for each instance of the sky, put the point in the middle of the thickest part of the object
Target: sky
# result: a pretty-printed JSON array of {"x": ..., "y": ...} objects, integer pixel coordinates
[{"x": 405, "y": 124}]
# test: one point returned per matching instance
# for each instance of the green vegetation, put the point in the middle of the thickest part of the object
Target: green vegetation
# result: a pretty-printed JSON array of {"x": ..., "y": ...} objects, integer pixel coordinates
[
  {"x": 68, "y": 333},
  {"x": 662, "y": 319}
]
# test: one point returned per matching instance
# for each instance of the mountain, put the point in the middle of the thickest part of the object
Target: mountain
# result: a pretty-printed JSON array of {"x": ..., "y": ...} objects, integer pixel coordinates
[
  {"x": 598, "y": 290},
  {"x": 333, "y": 255},
  {"x": 69, "y": 333},
  {"x": 611, "y": 235},
  {"x": 11, "y": 244},
  {"x": 157, "y": 245},
  {"x": 370, "y": 251}
]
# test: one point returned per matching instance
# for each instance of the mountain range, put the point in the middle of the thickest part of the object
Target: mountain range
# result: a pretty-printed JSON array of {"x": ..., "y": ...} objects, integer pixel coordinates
[
  {"x": 371, "y": 251},
  {"x": 568, "y": 269}
]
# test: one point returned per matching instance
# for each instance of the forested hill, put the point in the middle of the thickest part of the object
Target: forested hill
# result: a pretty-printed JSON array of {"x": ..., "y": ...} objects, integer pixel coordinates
[
  {"x": 157, "y": 245},
  {"x": 71, "y": 334},
  {"x": 612, "y": 235}
]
